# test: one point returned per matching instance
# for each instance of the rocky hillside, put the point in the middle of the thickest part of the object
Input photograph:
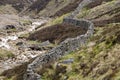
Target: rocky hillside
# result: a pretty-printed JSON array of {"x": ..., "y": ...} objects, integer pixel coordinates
[
  {"x": 39, "y": 7},
  {"x": 51, "y": 7},
  {"x": 98, "y": 59},
  {"x": 54, "y": 8},
  {"x": 44, "y": 8}
]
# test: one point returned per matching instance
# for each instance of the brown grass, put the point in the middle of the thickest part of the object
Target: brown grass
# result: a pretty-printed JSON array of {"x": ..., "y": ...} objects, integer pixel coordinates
[{"x": 57, "y": 33}]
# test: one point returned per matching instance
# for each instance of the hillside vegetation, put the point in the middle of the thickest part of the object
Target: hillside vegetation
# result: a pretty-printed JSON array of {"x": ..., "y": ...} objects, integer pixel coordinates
[
  {"x": 57, "y": 33},
  {"x": 98, "y": 59}
]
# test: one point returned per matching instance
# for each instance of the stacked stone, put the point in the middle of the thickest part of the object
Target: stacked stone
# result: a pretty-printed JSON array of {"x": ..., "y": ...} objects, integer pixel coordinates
[{"x": 65, "y": 47}]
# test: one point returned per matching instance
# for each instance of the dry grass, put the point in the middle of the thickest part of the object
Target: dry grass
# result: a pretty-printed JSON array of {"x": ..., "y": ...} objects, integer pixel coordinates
[{"x": 57, "y": 33}]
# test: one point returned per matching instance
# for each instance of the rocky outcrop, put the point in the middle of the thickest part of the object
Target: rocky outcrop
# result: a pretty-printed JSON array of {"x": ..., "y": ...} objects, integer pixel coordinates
[{"x": 65, "y": 47}]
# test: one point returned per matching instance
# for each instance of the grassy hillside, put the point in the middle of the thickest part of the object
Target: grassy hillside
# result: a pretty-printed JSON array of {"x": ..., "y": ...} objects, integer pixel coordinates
[
  {"x": 103, "y": 14},
  {"x": 39, "y": 8},
  {"x": 50, "y": 8},
  {"x": 99, "y": 59}
]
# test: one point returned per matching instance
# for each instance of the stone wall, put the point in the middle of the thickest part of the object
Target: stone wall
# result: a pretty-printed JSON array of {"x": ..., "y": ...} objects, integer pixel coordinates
[{"x": 65, "y": 47}]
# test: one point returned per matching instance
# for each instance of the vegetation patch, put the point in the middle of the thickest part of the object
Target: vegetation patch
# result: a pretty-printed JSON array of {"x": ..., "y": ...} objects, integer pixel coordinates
[
  {"x": 57, "y": 33},
  {"x": 58, "y": 20},
  {"x": 92, "y": 62},
  {"x": 24, "y": 35},
  {"x": 83, "y": 13},
  {"x": 5, "y": 54},
  {"x": 25, "y": 22}
]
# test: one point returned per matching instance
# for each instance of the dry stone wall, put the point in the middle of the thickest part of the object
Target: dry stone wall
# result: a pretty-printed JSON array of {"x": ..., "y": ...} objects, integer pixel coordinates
[{"x": 65, "y": 47}]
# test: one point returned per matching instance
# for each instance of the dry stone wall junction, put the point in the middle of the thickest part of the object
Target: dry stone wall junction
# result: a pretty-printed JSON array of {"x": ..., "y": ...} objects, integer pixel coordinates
[{"x": 65, "y": 47}]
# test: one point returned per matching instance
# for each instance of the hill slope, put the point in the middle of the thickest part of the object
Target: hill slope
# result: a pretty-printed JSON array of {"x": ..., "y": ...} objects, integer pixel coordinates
[
  {"x": 17, "y": 4},
  {"x": 97, "y": 60}
]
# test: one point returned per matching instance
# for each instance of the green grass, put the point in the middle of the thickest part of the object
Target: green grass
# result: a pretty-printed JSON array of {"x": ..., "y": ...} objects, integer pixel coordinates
[
  {"x": 12, "y": 30},
  {"x": 83, "y": 13},
  {"x": 25, "y": 22},
  {"x": 70, "y": 55},
  {"x": 24, "y": 35},
  {"x": 5, "y": 53},
  {"x": 58, "y": 20}
]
